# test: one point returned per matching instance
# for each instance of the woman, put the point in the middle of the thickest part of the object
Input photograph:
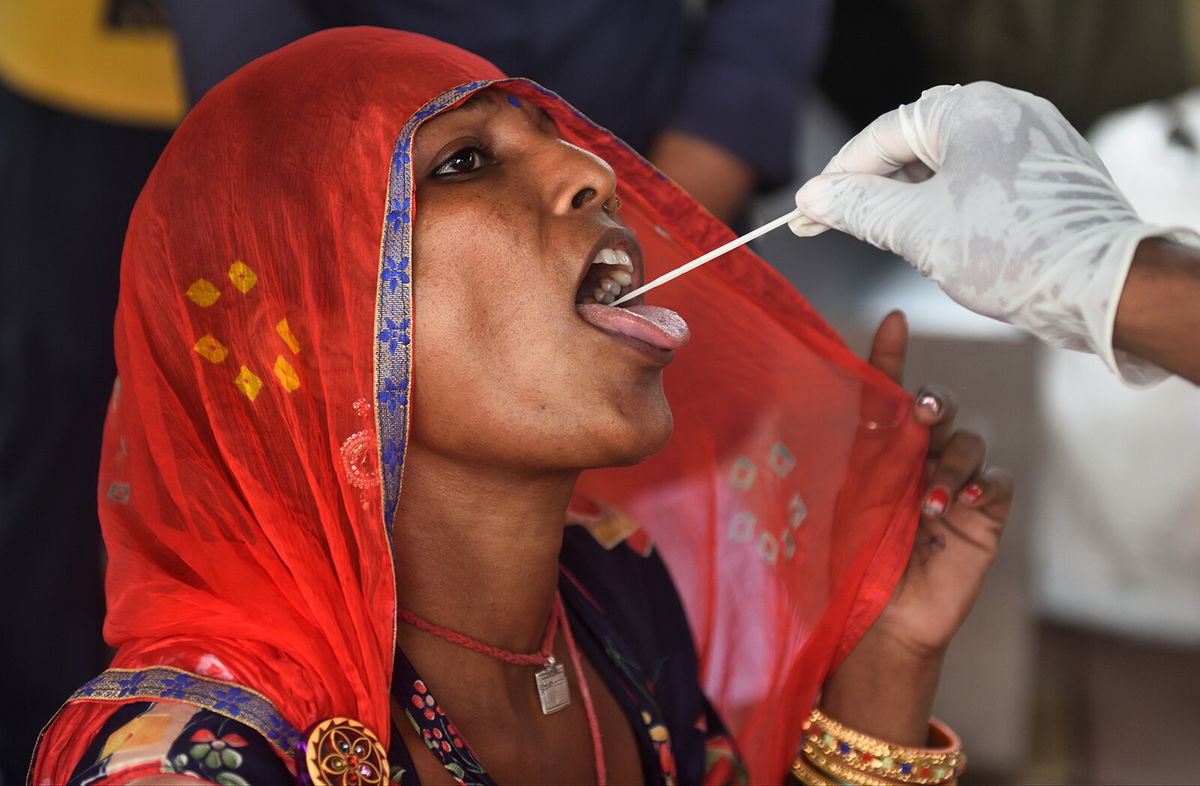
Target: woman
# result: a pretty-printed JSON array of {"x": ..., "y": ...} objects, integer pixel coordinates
[{"x": 285, "y": 364}]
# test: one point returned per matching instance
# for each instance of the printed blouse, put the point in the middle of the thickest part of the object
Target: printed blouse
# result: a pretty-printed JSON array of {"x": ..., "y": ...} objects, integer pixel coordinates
[{"x": 627, "y": 620}]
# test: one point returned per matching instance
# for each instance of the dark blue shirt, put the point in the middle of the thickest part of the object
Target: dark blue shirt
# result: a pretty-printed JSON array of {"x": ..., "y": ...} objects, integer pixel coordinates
[{"x": 729, "y": 71}]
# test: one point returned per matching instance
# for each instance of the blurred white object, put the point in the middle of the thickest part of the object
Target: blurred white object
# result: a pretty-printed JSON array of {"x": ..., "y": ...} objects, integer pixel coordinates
[
  {"x": 1153, "y": 154},
  {"x": 991, "y": 193},
  {"x": 1117, "y": 523}
]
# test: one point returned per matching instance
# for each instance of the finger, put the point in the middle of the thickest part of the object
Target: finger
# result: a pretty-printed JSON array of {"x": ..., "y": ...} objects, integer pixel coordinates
[
  {"x": 991, "y": 491},
  {"x": 879, "y": 149},
  {"x": 981, "y": 522},
  {"x": 958, "y": 463},
  {"x": 890, "y": 345},
  {"x": 867, "y": 206},
  {"x": 863, "y": 188},
  {"x": 846, "y": 202},
  {"x": 893, "y": 141},
  {"x": 917, "y": 172},
  {"x": 929, "y": 541},
  {"x": 806, "y": 227},
  {"x": 936, "y": 407}
]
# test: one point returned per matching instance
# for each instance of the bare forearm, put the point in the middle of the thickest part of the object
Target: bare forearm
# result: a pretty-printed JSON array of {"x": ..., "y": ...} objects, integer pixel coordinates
[
  {"x": 1158, "y": 317},
  {"x": 714, "y": 177},
  {"x": 884, "y": 691}
]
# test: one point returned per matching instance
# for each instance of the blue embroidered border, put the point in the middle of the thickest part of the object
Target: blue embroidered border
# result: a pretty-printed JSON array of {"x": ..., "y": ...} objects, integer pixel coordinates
[
  {"x": 224, "y": 698},
  {"x": 393, "y": 306}
]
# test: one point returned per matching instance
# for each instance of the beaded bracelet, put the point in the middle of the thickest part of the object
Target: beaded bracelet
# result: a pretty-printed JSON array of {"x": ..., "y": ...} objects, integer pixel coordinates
[
  {"x": 811, "y": 775},
  {"x": 814, "y": 769},
  {"x": 833, "y": 768},
  {"x": 934, "y": 765},
  {"x": 804, "y": 772}
]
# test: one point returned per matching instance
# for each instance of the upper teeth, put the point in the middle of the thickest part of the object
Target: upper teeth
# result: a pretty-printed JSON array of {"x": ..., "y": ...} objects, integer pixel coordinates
[
  {"x": 610, "y": 286},
  {"x": 614, "y": 256}
]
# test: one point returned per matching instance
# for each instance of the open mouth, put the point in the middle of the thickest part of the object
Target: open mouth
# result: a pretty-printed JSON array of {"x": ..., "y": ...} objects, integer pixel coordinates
[{"x": 615, "y": 267}]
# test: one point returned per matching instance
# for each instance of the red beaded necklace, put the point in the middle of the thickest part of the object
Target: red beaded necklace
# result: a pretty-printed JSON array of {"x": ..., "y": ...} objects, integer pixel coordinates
[
  {"x": 544, "y": 654},
  {"x": 551, "y": 678}
]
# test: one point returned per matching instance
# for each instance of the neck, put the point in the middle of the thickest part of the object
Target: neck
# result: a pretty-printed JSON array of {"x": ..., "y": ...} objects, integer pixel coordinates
[{"x": 477, "y": 549}]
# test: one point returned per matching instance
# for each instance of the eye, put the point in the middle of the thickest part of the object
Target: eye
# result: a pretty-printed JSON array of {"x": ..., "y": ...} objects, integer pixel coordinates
[{"x": 462, "y": 161}]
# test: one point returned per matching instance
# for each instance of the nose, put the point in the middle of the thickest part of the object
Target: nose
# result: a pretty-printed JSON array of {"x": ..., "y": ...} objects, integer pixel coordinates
[{"x": 585, "y": 181}]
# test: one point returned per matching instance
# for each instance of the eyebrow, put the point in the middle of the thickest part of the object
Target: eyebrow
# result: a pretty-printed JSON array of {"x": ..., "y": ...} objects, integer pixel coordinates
[{"x": 478, "y": 102}]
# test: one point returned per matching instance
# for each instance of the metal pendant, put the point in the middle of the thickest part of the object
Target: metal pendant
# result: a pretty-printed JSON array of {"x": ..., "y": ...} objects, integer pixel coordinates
[{"x": 552, "y": 687}]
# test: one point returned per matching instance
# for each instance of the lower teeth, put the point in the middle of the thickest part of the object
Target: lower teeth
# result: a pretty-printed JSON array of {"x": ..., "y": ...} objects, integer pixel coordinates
[{"x": 608, "y": 289}]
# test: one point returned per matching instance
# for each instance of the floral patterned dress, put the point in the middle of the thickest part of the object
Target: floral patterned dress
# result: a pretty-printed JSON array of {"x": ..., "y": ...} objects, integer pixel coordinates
[{"x": 627, "y": 620}]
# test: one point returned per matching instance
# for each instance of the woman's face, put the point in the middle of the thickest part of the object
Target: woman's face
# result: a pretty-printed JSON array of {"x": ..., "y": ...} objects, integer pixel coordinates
[{"x": 509, "y": 219}]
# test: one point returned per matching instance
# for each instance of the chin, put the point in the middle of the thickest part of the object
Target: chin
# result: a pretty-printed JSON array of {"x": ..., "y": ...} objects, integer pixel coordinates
[{"x": 641, "y": 440}]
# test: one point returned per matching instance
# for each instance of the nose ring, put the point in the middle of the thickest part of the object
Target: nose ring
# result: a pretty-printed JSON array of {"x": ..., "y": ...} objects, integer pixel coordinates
[{"x": 616, "y": 200}]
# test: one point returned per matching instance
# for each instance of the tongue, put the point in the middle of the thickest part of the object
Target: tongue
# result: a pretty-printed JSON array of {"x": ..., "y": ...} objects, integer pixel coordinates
[{"x": 656, "y": 326}]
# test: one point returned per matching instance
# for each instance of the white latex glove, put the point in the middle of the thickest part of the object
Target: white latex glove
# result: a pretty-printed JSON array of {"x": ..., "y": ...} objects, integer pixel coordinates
[{"x": 990, "y": 192}]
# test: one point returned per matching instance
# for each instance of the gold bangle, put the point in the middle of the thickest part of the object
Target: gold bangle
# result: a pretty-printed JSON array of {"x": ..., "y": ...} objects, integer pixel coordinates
[
  {"x": 950, "y": 746},
  {"x": 880, "y": 758},
  {"x": 804, "y": 773},
  {"x": 842, "y": 773}
]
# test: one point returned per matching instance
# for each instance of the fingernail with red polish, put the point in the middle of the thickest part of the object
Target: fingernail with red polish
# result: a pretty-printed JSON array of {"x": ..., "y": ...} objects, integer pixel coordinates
[
  {"x": 971, "y": 493},
  {"x": 937, "y": 501},
  {"x": 930, "y": 402}
]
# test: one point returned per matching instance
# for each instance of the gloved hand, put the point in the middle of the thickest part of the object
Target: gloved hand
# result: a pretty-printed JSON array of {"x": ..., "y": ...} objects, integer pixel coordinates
[{"x": 993, "y": 194}]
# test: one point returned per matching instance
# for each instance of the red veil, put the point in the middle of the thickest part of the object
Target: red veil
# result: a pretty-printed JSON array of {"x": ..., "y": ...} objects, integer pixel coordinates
[{"x": 265, "y": 291}]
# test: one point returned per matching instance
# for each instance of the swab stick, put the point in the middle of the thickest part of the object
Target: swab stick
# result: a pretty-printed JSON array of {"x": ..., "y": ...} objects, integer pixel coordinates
[{"x": 711, "y": 255}]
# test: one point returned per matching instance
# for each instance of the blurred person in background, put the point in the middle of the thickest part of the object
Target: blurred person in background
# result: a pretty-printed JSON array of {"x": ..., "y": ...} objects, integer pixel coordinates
[
  {"x": 708, "y": 91},
  {"x": 88, "y": 91}
]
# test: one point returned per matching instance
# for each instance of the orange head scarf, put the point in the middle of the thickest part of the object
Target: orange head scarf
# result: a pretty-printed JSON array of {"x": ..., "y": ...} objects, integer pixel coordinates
[{"x": 246, "y": 487}]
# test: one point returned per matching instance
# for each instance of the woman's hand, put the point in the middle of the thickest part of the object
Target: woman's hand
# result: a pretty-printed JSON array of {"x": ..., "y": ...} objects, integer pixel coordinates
[
  {"x": 964, "y": 512},
  {"x": 885, "y": 686}
]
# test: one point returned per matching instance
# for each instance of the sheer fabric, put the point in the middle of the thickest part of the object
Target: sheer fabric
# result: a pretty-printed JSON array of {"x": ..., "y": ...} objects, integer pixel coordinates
[{"x": 254, "y": 448}]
